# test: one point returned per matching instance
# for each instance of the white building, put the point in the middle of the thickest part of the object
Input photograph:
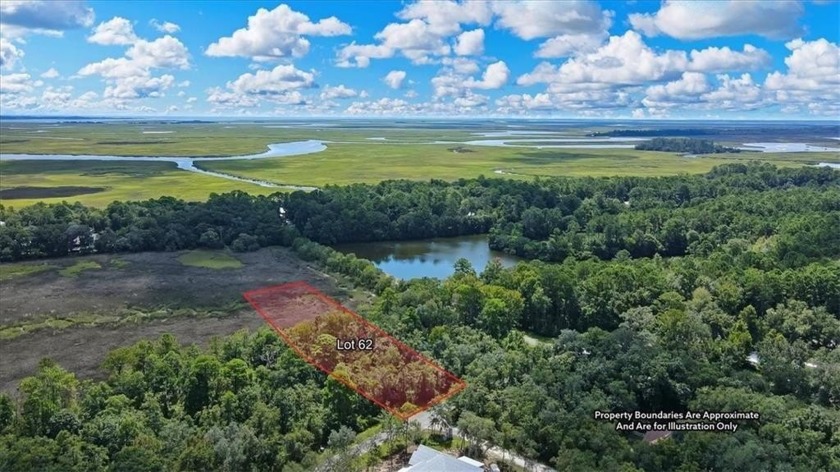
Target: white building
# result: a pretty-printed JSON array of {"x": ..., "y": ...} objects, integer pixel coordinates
[{"x": 426, "y": 459}]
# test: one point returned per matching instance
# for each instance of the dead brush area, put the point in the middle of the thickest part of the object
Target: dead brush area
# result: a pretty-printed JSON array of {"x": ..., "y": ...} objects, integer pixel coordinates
[{"x": 76, "y": 309}]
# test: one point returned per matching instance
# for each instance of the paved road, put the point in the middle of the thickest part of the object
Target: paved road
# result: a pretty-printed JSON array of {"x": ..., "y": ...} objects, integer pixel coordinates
[{"x": 498, "y": 453}]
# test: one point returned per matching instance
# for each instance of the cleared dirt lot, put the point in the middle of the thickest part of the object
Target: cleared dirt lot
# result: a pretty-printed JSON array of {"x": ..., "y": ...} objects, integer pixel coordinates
[{"x": 136, "y": 282}]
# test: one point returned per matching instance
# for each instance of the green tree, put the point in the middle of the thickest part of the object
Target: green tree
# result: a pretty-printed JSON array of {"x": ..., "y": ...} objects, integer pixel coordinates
[
  {"x": 50, "y": 391},
  {"x": 477, "y": 431}
]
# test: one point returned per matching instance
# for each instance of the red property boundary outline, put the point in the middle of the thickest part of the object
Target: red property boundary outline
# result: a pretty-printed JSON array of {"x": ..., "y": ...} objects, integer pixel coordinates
[{"x": 457, "y": 384}]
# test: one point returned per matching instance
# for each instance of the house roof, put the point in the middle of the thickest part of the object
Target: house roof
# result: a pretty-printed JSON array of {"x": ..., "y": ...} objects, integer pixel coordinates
[
  {"x": 422, "y": 454},
  {"x": 471, "y": 461},
  {"x": 426, "y": 459}
]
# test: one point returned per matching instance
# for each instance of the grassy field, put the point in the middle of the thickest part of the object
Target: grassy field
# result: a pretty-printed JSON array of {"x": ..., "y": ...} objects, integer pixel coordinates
[
  {"x": 349, "y": 163},
  {"x": 192, "y": 140},
  {"x": 209, "y": 260},
  {"x": 118, "y": 263},
  {"x": 604, "y": 163},
  {"x": 10, "y": 271},
  {"x": 76, "y": 269},
  {"x": 78, "y": 320},
  {"x": 119, "y": 180},
  {"x": 350, "y": 157}
]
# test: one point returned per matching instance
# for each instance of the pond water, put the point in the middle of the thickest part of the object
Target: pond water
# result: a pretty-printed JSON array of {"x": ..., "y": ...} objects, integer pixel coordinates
[{"x": 429, "y": 257}]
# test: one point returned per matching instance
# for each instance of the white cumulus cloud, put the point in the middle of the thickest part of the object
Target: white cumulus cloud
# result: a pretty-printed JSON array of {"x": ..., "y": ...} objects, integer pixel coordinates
[
  {"x": 445, "y": 17},
  {"x": 9, "y": 53},
  {"x": 16, "y": 83},
  {"x": 415, "y": 39},
  {"x": 568, "y": 44},
  {"x": 687, "y": 89},
  {"x": 277, "y": 81},
  {"x": 495, "y": 76},
  {"x": 18, "y": 18},
  {"x": 383, "y": 106},
  {"x": 470, "y": 43},
  {"x": 139, "y": 87},
  {"x": 394, "y": 79},
  {"x": 50, "y": 73},
  {"x": 518, "y": 103},
  {"x": 280, "y": 85},
  {"x": 812, "y": 79},
  {"x": 470, "y": 100},
  {"x": 131, "y": 76},
  {"x": 538, "y": 19},
  {"x": 340, "y": 91},
  {"x": 162, "y": 52},
  {"x": 707, "y": 19},
  {"x": 593, "y": 102},
  {"x": 458, "y": 86},
  {"x": 424, "y": 35},
  {"x": 229, "y": 99},
  {"x": 164, "y": 27},
  {"x": 623, "y": 60},
  {"x": 61, "y": 98},
  {"x": 461, "y": 65},
  {"x": 691, "y": 83},
  {"x": 715, "y": 59},
  {"x": 359, "y": 55},
  {"x": 116, "y": 31},
  {"x": 811, "y": 65},
  {"x": 165, "y": 52},
  {"x": 276, "y": 33},
  {"x": 573, "y": 27},
  {"x": 735, "y": 93}
]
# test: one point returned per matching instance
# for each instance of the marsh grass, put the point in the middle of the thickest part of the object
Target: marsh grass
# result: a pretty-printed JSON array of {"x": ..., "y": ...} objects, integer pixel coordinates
[
  {"x": 209, "y": 259},
  {"x": 78, "y": 268},
  {"x": 13, "y": 271}
]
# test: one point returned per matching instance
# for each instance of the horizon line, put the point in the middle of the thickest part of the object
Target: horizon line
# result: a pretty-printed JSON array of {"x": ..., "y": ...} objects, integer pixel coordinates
[{"x": 391, "y": 117}]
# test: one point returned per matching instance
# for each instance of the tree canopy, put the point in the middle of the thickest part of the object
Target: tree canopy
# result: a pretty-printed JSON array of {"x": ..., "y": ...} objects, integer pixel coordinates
[{"x": 718, "y": 292}]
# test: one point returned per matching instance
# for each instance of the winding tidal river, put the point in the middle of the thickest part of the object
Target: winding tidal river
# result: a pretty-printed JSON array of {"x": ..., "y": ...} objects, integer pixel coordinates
[
  {"x": 188, "y": 163},
  {"x": 297, "y": 148}
]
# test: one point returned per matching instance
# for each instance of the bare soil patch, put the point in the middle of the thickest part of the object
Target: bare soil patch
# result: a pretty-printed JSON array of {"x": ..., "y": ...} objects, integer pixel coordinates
[
  {"x": 46, "y": 192},
  {"x": 82, "y": 350},
  {"x": 130, "y": 143},
  {"x": 143, "y": 281},
  {"x": 148, "y": 280}
]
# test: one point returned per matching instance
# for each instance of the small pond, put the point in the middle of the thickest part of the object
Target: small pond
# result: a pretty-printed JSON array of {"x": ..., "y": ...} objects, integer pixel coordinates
[{"x": 428, "y": 257}]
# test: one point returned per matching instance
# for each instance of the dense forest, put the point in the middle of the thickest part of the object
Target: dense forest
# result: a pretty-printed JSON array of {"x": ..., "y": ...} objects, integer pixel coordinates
[
  {"x": 644, "y": 215},
  {"x": 687, "y": 145},
  {"x": 717, "y": 292}
]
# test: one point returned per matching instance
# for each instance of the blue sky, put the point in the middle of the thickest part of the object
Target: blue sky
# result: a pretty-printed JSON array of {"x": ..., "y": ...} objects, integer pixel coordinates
[{"x": 698, "y": 59}]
